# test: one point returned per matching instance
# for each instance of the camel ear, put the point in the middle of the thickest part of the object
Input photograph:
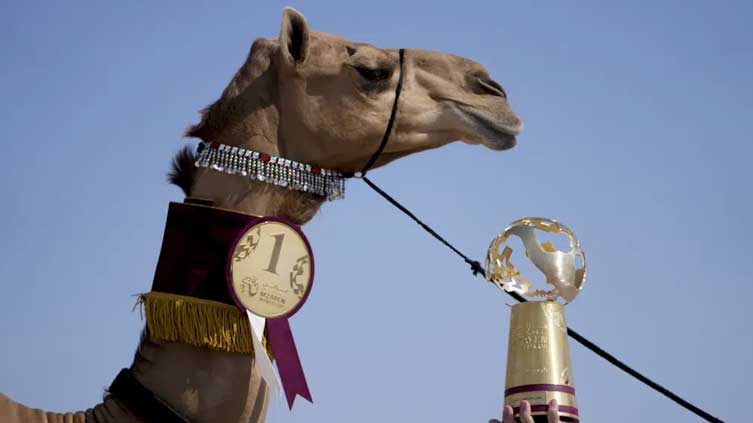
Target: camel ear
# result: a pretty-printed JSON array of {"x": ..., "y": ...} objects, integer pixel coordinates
[{"x": 294, "y": 37}]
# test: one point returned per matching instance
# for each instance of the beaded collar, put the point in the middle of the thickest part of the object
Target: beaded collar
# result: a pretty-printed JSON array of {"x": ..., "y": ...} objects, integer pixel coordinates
[{"x": 275, "y": 170}]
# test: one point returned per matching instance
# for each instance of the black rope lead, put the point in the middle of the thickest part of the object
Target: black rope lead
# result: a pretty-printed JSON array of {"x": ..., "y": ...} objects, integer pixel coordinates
[
  {"x": 634, "y": 373},
  {"x": 477, "y": 269},
  {"x": 475, "y": 266}
]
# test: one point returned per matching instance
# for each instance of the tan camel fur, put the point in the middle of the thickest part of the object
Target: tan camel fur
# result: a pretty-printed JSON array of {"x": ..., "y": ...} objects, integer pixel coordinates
[{"x": 315, "y": 98}]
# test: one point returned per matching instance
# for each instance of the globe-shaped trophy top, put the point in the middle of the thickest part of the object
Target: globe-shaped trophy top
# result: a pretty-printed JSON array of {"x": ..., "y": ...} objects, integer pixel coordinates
[{"x": 564, "y": 271}]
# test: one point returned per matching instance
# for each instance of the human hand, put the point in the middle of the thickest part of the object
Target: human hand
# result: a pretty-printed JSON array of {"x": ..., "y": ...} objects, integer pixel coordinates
[{"x": 553, "y": 415}]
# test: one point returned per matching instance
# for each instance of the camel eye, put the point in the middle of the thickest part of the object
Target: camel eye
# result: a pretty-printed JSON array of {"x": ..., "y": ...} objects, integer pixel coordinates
[{"x": 373, "y": 75}]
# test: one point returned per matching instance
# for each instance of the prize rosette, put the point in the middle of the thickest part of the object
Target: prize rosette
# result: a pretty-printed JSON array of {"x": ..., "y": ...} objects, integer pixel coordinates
[{"x": 270, "y": 272}]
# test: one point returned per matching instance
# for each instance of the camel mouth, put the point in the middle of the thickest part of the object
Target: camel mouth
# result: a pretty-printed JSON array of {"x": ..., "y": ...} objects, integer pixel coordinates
[{"x": 493, "y": 134}]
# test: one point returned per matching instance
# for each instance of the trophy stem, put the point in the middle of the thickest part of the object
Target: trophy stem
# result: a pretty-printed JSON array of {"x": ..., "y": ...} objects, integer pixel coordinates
[{"x": 538, "y": 360}]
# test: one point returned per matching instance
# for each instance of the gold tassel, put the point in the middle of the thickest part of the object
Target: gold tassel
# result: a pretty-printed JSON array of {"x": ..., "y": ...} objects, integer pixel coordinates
[{"x": 204, "y": 323}]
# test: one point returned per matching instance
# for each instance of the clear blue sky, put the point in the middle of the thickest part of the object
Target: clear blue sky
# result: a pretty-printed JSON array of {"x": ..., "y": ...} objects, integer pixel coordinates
[{"x": 638, "y": 136}]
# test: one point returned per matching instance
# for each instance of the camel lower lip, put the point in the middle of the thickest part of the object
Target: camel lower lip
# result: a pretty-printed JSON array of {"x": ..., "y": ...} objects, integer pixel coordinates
[
  {"x": 496, "y": 137},
  {"x": 504, "y": 143}
]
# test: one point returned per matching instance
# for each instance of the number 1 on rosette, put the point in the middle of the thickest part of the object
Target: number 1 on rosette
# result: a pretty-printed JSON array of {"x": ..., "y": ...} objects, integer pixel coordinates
[{"x": 270, "y": 274}]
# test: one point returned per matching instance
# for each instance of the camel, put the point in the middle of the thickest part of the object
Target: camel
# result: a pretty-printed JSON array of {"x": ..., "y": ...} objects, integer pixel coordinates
[{"x": 315, "y": 98}]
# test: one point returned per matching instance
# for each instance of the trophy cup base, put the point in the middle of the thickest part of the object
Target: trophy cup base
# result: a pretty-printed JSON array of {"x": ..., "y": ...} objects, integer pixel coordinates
[
  {"x": 539, "y": 396},
  {"x": 543, "y": 419},
  {"x": 539, "y": 413}
]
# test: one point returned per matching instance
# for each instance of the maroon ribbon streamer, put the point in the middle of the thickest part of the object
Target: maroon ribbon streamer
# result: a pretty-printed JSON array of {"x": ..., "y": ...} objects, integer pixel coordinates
[{"x": 288, "y": 362}]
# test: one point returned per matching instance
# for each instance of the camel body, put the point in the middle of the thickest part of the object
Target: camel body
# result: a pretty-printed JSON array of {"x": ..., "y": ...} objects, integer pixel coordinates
[
  {"x": 109, "y": 411},
  {"x": 315, "y": 98}
]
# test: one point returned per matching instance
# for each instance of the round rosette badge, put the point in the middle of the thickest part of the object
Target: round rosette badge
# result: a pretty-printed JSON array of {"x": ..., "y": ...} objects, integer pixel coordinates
[{"x": 270, "y": 274}]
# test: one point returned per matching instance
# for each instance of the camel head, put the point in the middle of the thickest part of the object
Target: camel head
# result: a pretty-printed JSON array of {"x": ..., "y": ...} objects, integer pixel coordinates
[{"x": 326, "y": 100}]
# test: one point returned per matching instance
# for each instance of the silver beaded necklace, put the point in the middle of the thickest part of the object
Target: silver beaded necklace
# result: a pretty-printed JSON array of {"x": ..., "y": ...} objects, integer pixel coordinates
[{"x": 271, "y": 169}]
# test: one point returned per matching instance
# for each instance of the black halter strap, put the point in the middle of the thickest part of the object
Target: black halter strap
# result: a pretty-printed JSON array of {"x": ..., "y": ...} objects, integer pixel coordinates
[{"x": 390, "y": 123}]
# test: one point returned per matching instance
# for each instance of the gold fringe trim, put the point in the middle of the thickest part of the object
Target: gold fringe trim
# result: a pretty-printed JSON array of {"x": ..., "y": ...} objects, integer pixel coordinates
[{"x": 204, "y": 323}]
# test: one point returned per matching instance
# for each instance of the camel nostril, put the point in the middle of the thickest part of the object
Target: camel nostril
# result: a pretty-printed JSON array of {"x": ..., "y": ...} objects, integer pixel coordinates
[{"x": 492, "y": 87}]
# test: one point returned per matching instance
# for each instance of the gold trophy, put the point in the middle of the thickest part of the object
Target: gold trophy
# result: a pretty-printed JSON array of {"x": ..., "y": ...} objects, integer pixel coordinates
[{"x": 538, "y": 356}]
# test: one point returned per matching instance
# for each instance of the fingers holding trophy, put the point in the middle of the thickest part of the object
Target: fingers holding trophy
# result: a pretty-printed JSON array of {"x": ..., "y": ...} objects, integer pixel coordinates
[{"x": 539, "y": 371}]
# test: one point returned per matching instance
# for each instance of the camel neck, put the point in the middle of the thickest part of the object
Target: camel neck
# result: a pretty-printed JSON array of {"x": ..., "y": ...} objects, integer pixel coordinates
[
  {"x": 242, "y": 195},
  {"x": 198, "y": 381},
  {"x": 202, "y": 384}
]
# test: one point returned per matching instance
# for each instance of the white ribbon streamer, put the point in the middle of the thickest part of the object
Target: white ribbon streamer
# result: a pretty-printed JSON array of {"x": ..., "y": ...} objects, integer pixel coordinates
[{"x": 262, "y": 361}]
